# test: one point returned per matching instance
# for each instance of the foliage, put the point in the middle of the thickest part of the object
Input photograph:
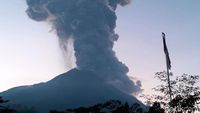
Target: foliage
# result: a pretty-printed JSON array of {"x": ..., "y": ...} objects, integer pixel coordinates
[
  {"x": 3, "y": 108},
  {"x": 185, "y": 93},
  {"x": 156, "y": 108},
  {"x": 113, "y": 106}
]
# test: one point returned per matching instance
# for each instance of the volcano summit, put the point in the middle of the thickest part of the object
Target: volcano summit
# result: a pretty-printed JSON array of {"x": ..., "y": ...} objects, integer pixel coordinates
[{"x": 99, "y": 75}]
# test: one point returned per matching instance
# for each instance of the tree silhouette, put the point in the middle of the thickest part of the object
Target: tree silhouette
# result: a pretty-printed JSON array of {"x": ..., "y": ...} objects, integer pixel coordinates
[
  {"x": 113, "y": 106},
  {"x": 5, "y": 109},
  {"x": 156, "y": 108},
  {"x": 185, "y": 93}
]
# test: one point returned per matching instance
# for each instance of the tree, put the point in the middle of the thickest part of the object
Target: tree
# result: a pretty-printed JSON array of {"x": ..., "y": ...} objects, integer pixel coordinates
[
  {"x": 112, "y": 106},
  {"x": 156, "y": 108},
  {"x": 5, "y": 109},
  {"x": 185, "y": 93}
]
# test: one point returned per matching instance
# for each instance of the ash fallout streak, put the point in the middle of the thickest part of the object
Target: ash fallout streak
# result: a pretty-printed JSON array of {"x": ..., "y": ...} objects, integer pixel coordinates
[{"x": 90, "y": 24}]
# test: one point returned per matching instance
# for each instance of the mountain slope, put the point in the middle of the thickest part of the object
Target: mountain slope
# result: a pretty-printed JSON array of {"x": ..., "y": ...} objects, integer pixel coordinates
[{"x": 69, "y": 90}]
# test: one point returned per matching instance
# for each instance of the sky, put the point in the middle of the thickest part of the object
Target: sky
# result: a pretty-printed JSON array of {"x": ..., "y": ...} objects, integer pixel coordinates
[{"x": 30, "y": 52}]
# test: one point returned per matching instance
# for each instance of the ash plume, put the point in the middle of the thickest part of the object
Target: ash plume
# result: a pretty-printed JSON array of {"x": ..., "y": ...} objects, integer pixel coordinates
[{"x": 90, "y": 24}]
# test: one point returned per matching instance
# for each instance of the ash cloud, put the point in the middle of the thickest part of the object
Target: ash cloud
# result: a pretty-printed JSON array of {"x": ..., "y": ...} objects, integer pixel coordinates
[{"x": 90, "y": 24}]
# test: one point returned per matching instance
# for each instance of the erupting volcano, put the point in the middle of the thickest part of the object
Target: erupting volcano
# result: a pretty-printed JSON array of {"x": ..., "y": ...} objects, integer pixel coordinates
[
  {"x": 90, "y": 24},
  {"x": 99, "y": 75}
]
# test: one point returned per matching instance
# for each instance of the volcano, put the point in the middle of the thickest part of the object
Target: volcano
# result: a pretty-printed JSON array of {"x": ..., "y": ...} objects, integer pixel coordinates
[
  {"x": 99, "y": 76},
  {"x": 69, "y": 90}
]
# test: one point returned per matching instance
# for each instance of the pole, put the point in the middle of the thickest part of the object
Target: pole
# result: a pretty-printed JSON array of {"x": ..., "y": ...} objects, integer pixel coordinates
[
  {"x": 169, "y": 85},
  {"x": 170, "y": 91},
  {"x": 168, "y": 67}
]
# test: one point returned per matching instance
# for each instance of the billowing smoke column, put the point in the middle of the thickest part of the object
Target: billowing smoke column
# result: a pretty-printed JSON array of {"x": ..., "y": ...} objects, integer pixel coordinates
[{"x": 91, "y": 24}]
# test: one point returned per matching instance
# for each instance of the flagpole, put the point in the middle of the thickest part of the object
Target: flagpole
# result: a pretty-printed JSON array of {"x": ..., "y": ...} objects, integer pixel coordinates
[
  {"x": 169, "y": 84},
  {"x": 168, "y": 66},
  {"x": 170, "y": 91}
]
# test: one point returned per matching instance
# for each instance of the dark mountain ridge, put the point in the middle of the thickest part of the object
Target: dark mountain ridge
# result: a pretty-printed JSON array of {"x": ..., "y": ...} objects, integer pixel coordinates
[{"x": 69, "y": 90}]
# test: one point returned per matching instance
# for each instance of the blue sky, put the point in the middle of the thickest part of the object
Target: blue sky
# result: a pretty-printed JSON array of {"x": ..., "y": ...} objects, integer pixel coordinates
[
  {"x": 30, "y": 52},
  {"x": 140, "y": 46}
]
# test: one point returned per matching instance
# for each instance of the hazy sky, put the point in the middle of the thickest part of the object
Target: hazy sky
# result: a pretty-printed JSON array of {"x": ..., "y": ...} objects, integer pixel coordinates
[{"x": 30, "y": 52}]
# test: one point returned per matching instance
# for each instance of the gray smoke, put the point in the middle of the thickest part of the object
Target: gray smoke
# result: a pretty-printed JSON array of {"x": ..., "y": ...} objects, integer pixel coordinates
[{"x": 91, "y": 24}]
